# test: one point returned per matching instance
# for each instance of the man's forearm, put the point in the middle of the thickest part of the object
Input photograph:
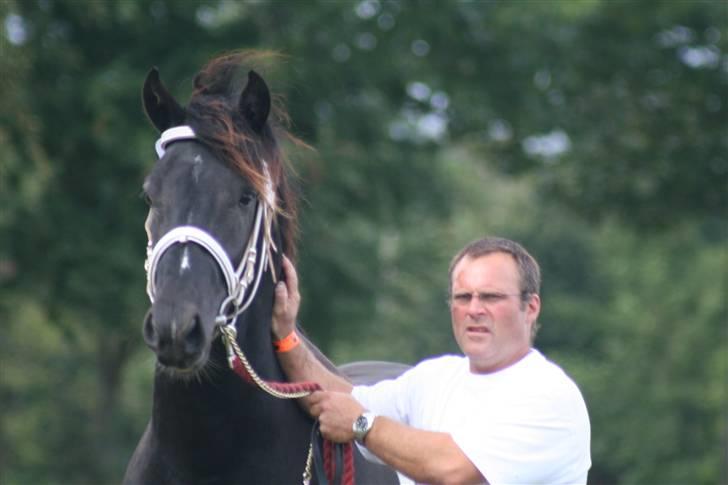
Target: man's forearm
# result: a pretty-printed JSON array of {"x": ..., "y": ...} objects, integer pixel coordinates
[
  {"x": 424, "y": 456},
  {"x": 300, "y": 364}
]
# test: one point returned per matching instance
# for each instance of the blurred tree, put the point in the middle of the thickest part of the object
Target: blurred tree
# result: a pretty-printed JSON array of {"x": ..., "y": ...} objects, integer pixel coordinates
[{"x": 661, "y": 384}]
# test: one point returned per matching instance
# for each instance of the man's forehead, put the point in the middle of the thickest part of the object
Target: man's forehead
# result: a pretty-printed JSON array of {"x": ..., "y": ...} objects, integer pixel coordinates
[{"x": 495, "y": 265}]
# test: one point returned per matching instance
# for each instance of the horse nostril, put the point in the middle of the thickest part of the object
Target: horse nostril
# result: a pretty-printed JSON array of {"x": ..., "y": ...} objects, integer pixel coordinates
[
  {"x": 150, "y": 334},
  {"x": 176, "y": 345},
  {"x": 194, "y": 338}
]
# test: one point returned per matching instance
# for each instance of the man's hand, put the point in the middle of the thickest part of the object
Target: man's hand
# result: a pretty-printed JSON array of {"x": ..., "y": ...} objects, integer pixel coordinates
[
  {"x": 426, "y": 456},
  {"x": 336, "y": 412},
  {"x": 287, "y": 301},
  {"x": 299, "y": 362}
]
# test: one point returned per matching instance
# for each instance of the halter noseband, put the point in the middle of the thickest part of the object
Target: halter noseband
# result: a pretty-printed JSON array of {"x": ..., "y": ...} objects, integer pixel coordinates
[{"x": 250, "y": 270}]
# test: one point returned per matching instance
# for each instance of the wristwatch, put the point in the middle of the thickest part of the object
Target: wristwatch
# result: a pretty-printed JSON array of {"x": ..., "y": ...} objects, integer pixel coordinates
[{"x": 362, "y": 425}]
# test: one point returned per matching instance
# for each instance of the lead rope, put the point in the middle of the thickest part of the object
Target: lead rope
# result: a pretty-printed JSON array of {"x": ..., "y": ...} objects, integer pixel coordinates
[{"x": 288, "y": 390}]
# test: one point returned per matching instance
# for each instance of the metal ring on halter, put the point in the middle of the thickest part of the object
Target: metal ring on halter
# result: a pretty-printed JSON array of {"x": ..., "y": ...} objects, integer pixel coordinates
[{"x": 227, "y": 312}]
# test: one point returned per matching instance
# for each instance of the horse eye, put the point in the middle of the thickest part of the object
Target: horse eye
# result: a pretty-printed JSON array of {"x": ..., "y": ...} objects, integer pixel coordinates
[
  {"x": 145, "y": 197},
  {"x": 247, "y": 198}
]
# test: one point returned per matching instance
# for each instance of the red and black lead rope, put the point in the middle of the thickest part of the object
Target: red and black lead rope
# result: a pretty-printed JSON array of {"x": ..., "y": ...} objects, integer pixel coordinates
[{"x": 334, "y": 463}]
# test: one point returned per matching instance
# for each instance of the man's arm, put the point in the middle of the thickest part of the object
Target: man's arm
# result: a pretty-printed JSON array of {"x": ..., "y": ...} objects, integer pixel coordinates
[
  {"x": 424, "y": 456},
  {"x": 299, "y": 363}
]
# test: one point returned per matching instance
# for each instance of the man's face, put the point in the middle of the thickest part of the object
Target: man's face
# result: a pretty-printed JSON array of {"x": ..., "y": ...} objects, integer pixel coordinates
[{"x": 491, "y": 324}]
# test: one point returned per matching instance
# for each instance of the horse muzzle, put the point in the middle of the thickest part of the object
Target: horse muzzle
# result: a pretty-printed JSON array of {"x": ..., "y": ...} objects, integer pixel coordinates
[{"x": 177, "y": 335}]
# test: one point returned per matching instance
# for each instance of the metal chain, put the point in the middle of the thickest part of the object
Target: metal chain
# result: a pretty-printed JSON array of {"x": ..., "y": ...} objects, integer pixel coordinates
[
  {"x": 307, "y": 473},
  {"x": 230, "y": 341},
  {"x": 229, "y": 334}
]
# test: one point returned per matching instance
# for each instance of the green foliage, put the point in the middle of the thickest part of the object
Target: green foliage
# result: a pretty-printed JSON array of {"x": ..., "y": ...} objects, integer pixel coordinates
[
  {"x": 591, "y": 131},
  {"x": 646, "y": 113},
  {"x": 661, "y": 385}
]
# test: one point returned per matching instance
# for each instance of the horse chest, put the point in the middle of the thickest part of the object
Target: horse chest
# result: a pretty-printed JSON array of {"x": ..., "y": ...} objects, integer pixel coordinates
[{"x": 260, "y": 442}]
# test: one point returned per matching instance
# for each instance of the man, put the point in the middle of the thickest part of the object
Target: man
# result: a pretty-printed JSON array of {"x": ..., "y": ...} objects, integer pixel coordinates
[{"x": 501, "y": 413}]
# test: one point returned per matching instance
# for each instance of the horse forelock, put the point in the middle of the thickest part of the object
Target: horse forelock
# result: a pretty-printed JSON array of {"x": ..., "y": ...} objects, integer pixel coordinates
[{"x": 214, "y": 115}]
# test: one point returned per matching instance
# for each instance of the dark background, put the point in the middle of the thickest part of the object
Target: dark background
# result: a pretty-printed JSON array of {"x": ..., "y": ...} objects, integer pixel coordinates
[{"x": 594, "y": 132}]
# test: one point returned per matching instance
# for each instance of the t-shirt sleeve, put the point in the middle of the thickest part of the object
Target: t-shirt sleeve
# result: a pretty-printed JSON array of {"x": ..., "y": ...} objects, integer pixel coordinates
[
  {"x": 544, "y": 439},
  {"x": 387, "y": 398}
]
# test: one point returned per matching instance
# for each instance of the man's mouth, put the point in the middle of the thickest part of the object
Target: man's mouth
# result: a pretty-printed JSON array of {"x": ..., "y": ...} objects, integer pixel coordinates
[{"x": 477, "y": 329}]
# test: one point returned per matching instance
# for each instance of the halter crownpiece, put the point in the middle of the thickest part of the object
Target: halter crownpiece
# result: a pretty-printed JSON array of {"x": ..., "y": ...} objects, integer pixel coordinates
[
  {"x": 249, "y": 272},
  {"x": 170, "y": 135}
]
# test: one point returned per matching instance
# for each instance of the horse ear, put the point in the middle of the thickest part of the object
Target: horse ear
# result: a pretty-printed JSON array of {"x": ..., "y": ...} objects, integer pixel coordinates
[
  {"x": 254, "y": 102},
  {"x": 159, "y": 105}
]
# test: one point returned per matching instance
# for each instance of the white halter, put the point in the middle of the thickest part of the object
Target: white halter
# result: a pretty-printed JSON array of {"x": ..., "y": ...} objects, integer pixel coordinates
[
  {"x": 238, "y": 281},
  {"x": 170, "y": 135}
]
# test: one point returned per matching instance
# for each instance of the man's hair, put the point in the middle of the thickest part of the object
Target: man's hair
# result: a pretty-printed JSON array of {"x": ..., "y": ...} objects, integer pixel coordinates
[{"x": 528, "y": 269}]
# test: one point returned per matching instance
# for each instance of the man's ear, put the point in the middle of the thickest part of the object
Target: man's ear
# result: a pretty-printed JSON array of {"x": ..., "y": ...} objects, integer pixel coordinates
[{"x": 533, "y": 307}]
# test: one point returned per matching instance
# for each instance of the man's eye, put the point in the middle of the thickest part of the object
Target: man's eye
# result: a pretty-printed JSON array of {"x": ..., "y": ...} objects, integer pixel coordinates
[
  {"x": 462, "y": 297},
  {"x": 490, "y": 297}
]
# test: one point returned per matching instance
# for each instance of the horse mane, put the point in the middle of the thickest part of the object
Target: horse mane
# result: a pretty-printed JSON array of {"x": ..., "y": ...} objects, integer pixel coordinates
[{"x": 214, "y": 115}]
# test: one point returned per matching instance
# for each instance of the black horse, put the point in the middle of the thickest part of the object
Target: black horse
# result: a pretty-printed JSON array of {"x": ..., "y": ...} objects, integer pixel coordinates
[{"x": 221, "y": 213}]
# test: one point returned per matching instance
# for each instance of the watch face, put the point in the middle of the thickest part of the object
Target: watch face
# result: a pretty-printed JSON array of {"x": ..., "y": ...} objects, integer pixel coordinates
[{"x": 361, "y": 423}]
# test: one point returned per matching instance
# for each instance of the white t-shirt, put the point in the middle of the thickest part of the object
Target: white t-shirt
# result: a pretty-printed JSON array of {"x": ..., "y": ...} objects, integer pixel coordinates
[{"x": 521, "y": 425}]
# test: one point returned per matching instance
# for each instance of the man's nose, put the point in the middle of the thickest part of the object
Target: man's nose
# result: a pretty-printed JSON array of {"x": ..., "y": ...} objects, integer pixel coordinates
[{"x": 476, "y": 306}]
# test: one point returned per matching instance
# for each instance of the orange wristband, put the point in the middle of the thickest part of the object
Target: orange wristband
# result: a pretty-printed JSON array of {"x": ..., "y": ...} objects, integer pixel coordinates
[{"x": 288, "y": 343}]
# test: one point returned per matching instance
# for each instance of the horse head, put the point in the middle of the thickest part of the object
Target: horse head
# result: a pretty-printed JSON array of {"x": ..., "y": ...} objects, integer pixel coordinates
[{"x": 214, "y": 198}]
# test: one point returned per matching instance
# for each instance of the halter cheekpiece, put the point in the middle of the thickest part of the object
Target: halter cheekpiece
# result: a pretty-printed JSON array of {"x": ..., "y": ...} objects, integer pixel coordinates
[{"x": 241, "y": 282}]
